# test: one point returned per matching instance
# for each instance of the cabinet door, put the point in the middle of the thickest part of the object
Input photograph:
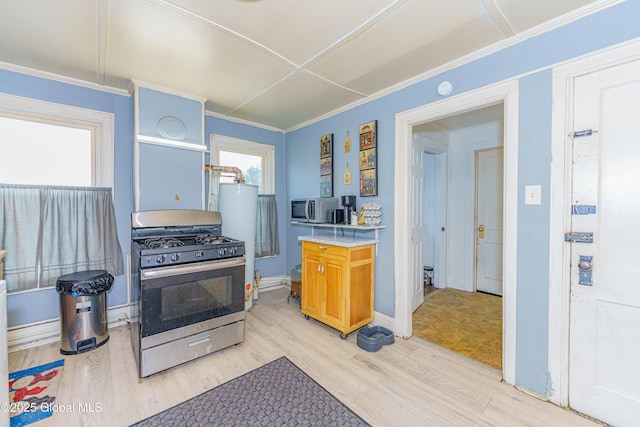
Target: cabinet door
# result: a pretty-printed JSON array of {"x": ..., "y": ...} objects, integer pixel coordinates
[
  {"x": 333, "y": 275},
  {"x": 311, "y": 286},
  {"x": 169, "y": 178}
]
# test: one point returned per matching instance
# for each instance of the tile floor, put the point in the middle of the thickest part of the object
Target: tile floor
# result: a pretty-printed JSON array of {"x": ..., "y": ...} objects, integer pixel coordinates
[{"x": 469, "y": 323}]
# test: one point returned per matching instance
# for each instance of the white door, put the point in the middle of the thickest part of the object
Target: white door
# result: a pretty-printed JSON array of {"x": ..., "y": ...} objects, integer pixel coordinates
[
  {"x": 417, "y": 224},
  {"x": 489, "y": 185},
  {"x": 604, "y": 359}
]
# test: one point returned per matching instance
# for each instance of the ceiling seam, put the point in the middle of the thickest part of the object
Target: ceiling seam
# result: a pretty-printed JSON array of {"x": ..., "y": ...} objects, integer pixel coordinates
[
  {"x": 334, "y": 84},
  {"x": 299, "y": 67},
  {"x": 229, "y": 32},
  {"x": 288, "y": 77},
  {"x": 102, "y": 39},
  {"x": 356, "y": 32},
  {"x": 262, "y": 92},
  {"x": 498, "y": 17}
]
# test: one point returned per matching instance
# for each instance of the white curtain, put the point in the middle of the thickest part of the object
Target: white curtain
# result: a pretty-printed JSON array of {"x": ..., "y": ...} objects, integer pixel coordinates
[
  {"x": 52, "y": 231},
  {"x": 267, "y": 243}
]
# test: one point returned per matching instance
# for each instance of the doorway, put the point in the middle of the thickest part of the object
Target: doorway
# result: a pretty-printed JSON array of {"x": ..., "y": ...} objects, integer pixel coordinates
[
  {"x": 505, "y": 94},
  {"x": 448, "y": 205},
  {"x": 594, "y": 304}
]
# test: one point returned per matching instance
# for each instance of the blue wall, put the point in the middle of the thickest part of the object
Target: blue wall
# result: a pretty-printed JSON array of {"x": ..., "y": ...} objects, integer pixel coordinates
[
  {"x": 532, "y": 59},
  {"x": 532, "y": 294}
]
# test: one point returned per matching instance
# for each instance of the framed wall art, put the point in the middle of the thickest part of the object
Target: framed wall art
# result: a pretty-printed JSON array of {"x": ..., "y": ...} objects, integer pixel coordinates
[
  {"x": 368, "y": 159},
  {"x": 326, "y": 166}
]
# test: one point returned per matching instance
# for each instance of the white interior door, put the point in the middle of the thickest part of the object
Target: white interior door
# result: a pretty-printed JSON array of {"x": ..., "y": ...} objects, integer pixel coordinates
[
  {"x": 604, "y": 359},
  {"x": 417, "y": 224},
  {"x": 489, "y": 187}
]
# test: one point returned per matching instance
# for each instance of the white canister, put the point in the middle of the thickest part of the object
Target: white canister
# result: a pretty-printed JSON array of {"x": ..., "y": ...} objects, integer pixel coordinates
[{"x": 354, "y": 218}]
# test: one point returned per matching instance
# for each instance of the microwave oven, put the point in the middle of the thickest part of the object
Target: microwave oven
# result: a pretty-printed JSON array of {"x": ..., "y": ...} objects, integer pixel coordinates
[{"x": 313, "y": 210}]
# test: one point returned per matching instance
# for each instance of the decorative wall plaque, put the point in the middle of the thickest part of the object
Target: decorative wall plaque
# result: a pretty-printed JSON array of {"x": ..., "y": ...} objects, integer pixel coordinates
[
  {"x": 347, "y": 175},
  {"x": 326, "y": 166},
  {"x": 368, "y": 159}
]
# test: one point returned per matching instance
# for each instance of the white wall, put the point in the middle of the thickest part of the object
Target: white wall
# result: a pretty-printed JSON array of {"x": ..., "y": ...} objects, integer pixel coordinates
[{"x": 461, "y": 199}]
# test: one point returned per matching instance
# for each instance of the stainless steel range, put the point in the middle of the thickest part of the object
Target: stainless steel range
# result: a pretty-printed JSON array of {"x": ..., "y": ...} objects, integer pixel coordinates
[{"x": 188, "y": 284}]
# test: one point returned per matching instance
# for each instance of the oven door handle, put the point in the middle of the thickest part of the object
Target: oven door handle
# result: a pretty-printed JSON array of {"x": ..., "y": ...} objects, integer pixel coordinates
[{"x": 197, "y": 267}]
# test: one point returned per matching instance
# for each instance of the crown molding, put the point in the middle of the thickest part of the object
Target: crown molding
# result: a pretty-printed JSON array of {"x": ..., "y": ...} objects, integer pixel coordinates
[
  {"x": 135, "y": 83},
  {"x": 243, "y": 121},
  {"x": 60, "y": 78}
]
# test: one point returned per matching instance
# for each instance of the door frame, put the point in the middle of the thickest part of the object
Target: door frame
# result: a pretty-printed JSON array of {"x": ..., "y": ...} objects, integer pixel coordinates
[
  {"x": 560, "y": 206},
  {"x": 503, "y": 92}
]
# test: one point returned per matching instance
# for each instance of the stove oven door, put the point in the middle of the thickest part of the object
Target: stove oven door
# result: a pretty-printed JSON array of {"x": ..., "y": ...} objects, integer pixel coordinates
[{"x": 182, "y": 300}]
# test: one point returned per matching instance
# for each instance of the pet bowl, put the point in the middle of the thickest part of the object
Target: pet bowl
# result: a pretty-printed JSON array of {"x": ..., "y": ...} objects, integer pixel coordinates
[{"x": 372, "y": 338}]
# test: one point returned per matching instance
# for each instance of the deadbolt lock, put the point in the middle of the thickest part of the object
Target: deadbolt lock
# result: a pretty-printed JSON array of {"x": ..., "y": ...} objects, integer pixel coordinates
[{"x": 481, "y": 231}]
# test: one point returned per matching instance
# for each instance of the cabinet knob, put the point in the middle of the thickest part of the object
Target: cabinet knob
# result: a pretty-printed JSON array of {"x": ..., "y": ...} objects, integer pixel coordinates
[{"x": 322, "y": 248}]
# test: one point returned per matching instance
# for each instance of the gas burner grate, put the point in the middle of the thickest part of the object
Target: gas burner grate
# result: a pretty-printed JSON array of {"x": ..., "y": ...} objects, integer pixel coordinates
[
  {"x": 210, "y": 239},
  {"x": 162, "y": 243}
]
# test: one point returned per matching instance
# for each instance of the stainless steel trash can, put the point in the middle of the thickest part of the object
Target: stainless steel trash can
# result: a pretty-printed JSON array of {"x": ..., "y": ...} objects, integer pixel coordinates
[{"x": 83, "y": 310}]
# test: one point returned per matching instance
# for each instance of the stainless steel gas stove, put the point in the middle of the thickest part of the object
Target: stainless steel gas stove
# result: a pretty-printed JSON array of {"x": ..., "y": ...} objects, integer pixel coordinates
[{"x": 188, "y": 285}]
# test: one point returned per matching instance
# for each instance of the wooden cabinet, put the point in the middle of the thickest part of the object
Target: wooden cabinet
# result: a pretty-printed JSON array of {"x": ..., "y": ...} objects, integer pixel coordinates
[{"x": 337, "y": 284}]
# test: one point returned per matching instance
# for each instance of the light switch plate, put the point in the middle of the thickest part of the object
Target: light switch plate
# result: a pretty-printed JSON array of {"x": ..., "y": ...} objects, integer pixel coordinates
[{"x": 532, "y": 194}]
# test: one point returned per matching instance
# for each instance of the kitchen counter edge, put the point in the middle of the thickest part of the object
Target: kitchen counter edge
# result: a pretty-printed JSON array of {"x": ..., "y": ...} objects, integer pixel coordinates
[{"x": 337, "y": 240}]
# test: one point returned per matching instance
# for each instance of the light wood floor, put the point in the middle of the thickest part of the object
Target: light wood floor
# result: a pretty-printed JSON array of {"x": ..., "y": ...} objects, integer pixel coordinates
[
  {"x": 469, "y": 323},
  {"x": 409, "y": 383}
]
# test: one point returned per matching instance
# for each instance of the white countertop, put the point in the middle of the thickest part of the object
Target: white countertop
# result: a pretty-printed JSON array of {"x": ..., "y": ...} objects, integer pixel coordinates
[
  {"x": 339, "y": 240},
  {"x": 337, "y": 226}
]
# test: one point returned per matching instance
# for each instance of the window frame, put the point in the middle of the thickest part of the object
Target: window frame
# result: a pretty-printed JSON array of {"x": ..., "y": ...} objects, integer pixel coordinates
[
  {"x": 99, "y": 123},
  {"x": 265, "y": 151}
]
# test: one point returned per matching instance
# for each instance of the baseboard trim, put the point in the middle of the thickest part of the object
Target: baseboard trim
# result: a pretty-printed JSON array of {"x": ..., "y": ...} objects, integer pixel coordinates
[
  {"x": 48, "y": 331},
  {"x": 381, "y": 319},
  {"x": 272, "y": 283}
]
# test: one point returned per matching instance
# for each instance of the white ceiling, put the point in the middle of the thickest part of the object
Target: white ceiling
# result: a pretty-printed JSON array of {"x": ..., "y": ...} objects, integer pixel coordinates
[{"x": 279, "y": 63}]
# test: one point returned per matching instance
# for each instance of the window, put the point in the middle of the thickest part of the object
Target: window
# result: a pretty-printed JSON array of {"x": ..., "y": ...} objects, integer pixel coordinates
[
  {"x": 52, "y": 144},
  {"x": 256, "y": 161},
  {"x": 46, "y": 147}
]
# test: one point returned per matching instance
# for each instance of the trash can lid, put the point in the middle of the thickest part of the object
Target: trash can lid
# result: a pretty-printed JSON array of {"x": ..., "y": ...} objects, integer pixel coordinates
[{"x": 90, "y": 282}]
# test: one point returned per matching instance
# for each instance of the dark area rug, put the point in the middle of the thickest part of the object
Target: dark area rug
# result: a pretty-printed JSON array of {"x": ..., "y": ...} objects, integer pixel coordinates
[{"x": 276, "y": 394}]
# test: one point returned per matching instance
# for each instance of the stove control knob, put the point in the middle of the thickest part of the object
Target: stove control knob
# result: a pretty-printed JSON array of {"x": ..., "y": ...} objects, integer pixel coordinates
[
  {"x": 222, "y": 252},
  {"x": 175, "y": 257},
  {"x": 159, "y": 259},
  {"x": 232, "y": 250},
  {"x": 199, "y": 254}
]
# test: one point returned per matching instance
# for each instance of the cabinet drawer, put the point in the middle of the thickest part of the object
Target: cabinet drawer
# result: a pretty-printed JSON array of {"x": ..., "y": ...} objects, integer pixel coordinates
[{"x": 324, "y": 248}]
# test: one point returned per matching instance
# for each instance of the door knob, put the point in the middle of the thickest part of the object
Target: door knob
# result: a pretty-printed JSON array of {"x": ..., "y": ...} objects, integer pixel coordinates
[
  {"x": 481, "y": 231},
  {"x": 584, "y": 265}
]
